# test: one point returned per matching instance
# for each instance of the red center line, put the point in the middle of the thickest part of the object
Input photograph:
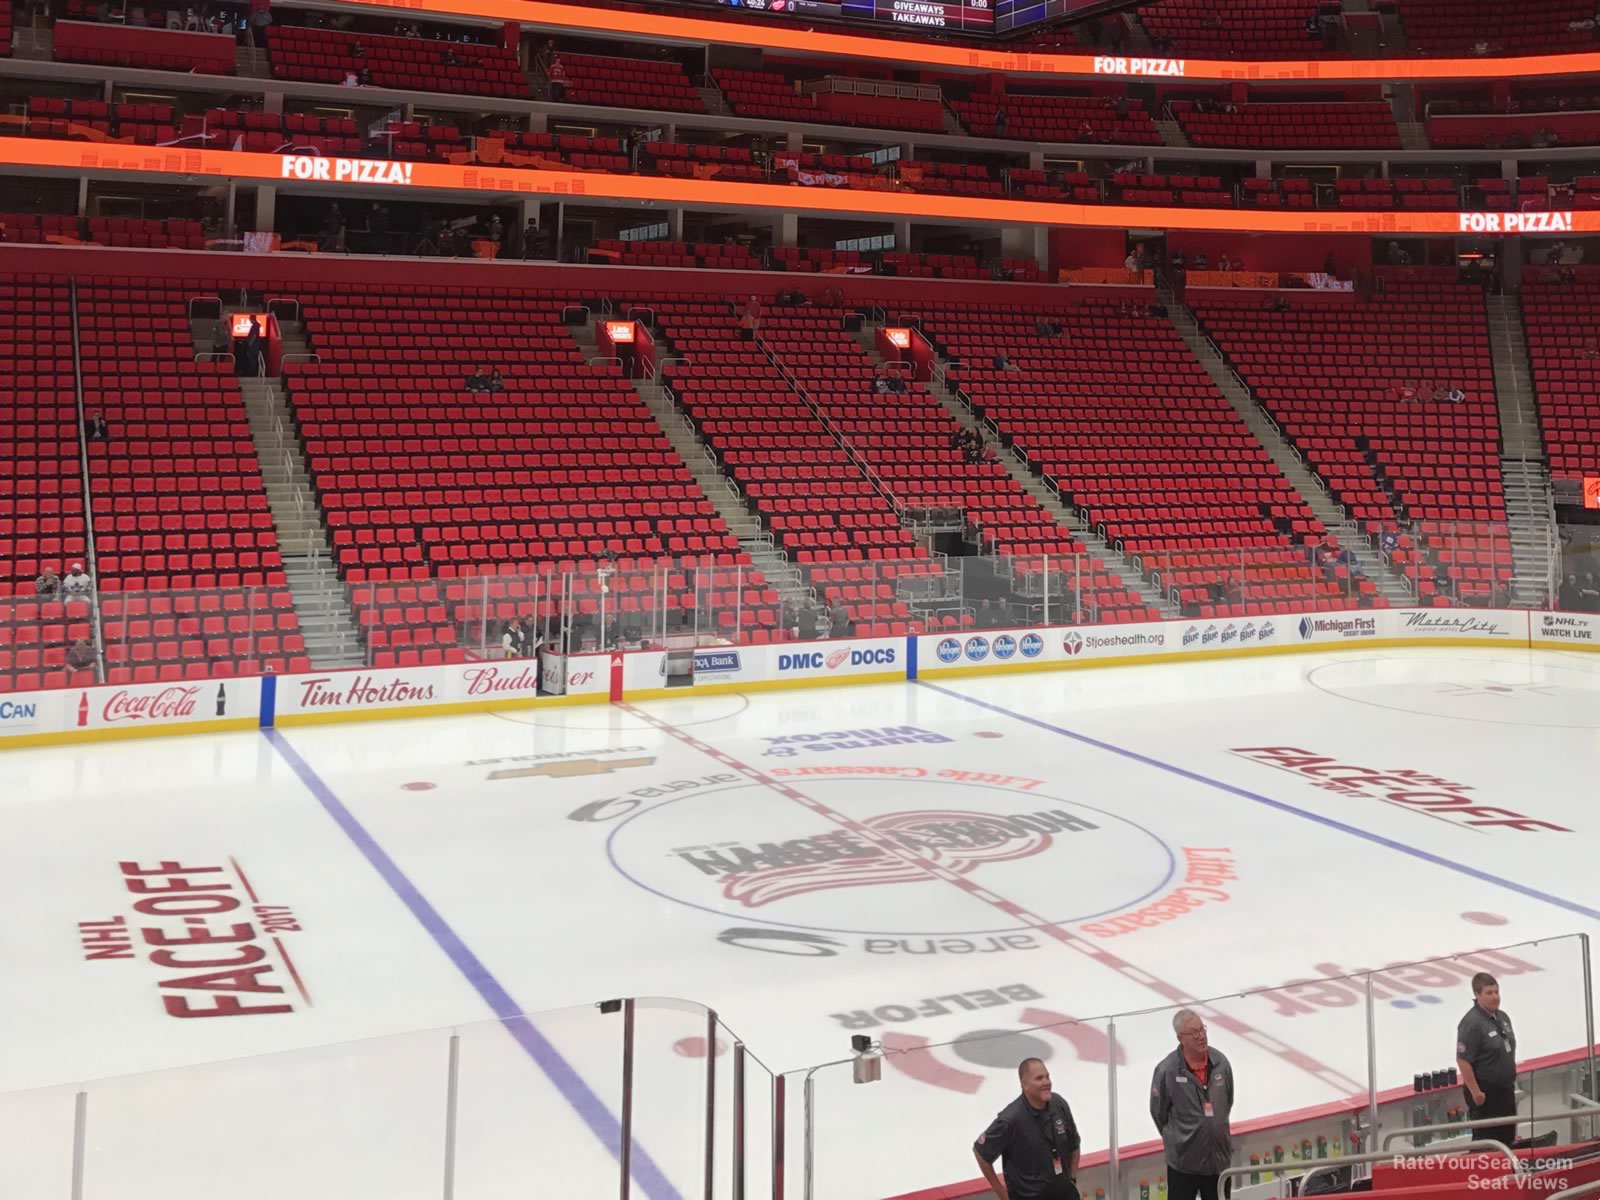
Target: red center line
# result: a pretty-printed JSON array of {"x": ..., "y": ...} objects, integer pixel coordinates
[
  {"x": 294, "y": 972},
  {"x": 239, "y": 871},
  {"x": 1169, "y": 992}
]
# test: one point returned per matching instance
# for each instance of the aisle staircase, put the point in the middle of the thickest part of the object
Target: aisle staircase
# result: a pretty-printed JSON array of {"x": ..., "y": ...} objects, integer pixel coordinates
[
  {"x": 730, "y": 504},
  {"x": 1030, "y": 481},
  {"x": 1392, "y": 586},
  {"x": 1530, "y": 502}
]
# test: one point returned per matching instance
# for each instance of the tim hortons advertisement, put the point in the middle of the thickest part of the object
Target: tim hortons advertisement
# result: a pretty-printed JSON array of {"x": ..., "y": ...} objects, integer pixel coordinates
[
  {"x": 1571, "y": 631},
  {"x": 400, "y": 688}
]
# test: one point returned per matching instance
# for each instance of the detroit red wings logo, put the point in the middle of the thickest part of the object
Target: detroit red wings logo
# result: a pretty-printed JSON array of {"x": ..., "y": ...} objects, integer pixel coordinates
[{"x": 889, "y": 848}]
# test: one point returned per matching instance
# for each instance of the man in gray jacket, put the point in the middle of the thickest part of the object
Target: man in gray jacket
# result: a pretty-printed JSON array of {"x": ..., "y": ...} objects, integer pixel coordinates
[{"x": 1191, "y": 1095}]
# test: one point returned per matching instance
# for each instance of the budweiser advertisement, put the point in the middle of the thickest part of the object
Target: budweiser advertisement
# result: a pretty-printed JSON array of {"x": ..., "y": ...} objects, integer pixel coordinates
[{"x": 328, "y": 694}]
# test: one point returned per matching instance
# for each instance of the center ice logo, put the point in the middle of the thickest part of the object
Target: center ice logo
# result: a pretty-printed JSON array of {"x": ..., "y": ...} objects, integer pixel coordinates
[
  {"x": 959, "y": 842},
  {"x": 884, "y": 850}
]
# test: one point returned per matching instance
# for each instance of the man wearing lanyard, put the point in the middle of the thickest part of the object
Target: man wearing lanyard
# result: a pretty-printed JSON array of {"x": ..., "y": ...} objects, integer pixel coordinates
[
  {"x": 1486, "y": 1056},
  {"x": 1038, "y": 1139},
  {"x": 1191, "y": 1097}
]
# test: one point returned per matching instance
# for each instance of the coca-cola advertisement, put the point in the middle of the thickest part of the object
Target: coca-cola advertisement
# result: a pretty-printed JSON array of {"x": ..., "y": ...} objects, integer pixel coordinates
[{"x": 137, "y": 706}]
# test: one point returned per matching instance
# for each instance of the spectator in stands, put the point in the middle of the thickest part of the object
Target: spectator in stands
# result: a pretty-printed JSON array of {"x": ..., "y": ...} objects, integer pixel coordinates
[
  {"x": 806, "y": 621},
  {"x": 260, "y": 19},
  {"x": 497, "y": 229},
  {"x": 1224, "y": 263},
  {"x": 1389, "y": 541},
  {"x": 1135, "y": 267},
  {"x": 77, "y": 585},
  {"x": 478, "y": 381},
  {"x": 80, "y": 655},
  {"x": 787, "y": 617},
  {"x": 1454, "y": 395},
  {"x": 750, "y": 320},
  {"x": 530, "y": 239},
  {"x": 250, "y": 360},
  {"x": 557, "y": 75},
  {"x": 495, "y": 383},
  {"x": 989, "y": 454},
  {"x": 96, "y": 429},
  {"x": 1199, "y": 260},
  {"x": 48, "y": 583},
  {"x": 1314, "y": 26},
  {"x": 840, "y": 625},
  {"x": 1589, "y": 593},
  {"x": 1000, "y": 121},
  {"x": 1569, "y": 595},
  {"x": 511, "y": 638}
]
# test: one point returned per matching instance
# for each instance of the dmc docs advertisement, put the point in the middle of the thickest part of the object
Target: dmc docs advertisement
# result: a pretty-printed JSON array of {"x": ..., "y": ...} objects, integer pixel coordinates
[
  {"x": 801, "y": 661},
  {"x": 130, "y": 708},
  {"x": 1565, "y": 631}
]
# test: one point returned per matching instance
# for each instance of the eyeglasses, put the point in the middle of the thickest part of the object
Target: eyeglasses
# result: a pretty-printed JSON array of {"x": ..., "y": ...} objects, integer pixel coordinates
[{"x": 1200, "y": 1032}]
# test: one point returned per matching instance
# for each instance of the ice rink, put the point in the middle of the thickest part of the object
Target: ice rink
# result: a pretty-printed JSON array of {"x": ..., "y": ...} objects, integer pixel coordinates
[{"x": 926, "y": 863}]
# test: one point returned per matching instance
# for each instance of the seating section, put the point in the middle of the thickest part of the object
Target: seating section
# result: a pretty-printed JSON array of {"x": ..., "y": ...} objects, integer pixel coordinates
[
  {"x": 1563, "y": 324},
  {"x": 948, "y": 178},
  {"x": 629, "y": 83},
  {"x": 721, "y": 256},
  {"x": 808, "y": 488},
  {"x": 147, "y": 47},
  {"x": 5, "y": 28},
  {"x": 767, "y": 94},
  {"x": 1074, "y": 186},
  {"x": 932, "y": 266},
  {"x": 172, "y": 233},
  {"x": 908, "y": 441},
  {"x": 41, "y": 502},
  {"x": 1356, "y": 125},
  {"x": 1426, "y": 193},
  {"x": 584, "y": 153},
  {"x": 272, "y": 133},
  {"x": 332, "y": 55},
  {"x": 1519, "y": 130},
  {"x": 426, "y": 487},
  {"x": 1353, "y": 387},
  {"x": 1121, "y": 417},
  {"x": 95, "y": 120},
  {"x": 416, "y": 140},
  {"x": 1205, "y": 191},
  {"x": 190, "y": 579},
  {"x": 1446, "y": 26},
  {"x": 1058, "y": 119},
  {"x": 815, "y": 260},
  {"x": 700, "y": 162},
  {"x": 1277, "y": 193},
  {"x": 36, "y": 229},
  {"x": 1234, "y": 28}
]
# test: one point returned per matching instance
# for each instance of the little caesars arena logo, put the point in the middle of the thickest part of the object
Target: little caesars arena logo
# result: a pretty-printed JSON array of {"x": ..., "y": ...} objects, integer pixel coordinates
[{"x": 865, "y": 848}]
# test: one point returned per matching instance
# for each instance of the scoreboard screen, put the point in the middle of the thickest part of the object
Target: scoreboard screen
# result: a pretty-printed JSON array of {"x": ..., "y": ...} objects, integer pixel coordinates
[{"x": 957, "y": 16}]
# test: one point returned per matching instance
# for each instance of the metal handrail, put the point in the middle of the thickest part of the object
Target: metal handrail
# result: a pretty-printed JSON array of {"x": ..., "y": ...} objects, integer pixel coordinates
[
  {"x": 1577, "y": 1099},
  {"x": 193, "y": 300},
  {"x": 659, "y": 365},
  {"x": 214, "y": 356},
  {"x": 273, "y": 301},
  {"x": 1374, "y": 1156},
  {"x": 587, "y": 312},
  {"x": 310, "y": 357},
  {"x": 605, "y": 358}
]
